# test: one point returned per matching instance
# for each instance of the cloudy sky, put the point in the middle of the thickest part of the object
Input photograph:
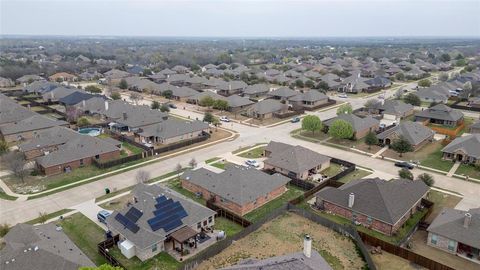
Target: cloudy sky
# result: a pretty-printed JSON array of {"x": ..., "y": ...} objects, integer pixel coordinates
[{"x": 241, "y": 18}]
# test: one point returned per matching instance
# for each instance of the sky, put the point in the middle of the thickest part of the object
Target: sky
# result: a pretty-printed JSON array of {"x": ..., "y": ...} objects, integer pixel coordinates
[{"x": 241, "y": 18}]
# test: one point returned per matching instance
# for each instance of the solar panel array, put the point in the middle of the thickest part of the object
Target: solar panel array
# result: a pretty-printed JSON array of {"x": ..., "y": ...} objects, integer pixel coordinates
[
  {"x": 134, "y": 214},
  {"x": 167, "y": 214},
  {"x": 127, "y": 223}
]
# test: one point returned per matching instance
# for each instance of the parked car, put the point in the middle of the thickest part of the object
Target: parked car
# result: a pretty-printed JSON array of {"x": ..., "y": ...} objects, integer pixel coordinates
[
  {"x": 295, "y": 120},
  {"x": 171, "y": 105},
  {"x": 252, "y": 163},
  {"x": 102, "y": 216},
  {"x": 342, "y": 95},
  {"x": 224, "y": 119},
  {"x": 404, "y": 164}
]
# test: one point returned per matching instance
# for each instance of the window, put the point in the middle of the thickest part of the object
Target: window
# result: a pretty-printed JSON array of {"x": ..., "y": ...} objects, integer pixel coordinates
[
  {"x": 369, "y": 220},
  {"x": 434, "y": 239},
  {"x": 199, "y": 225},
  {"x": 210, "y": 219},
  {"x": 97, "y": 156},
  {"x": 205, "y": 223},
  {"x": 81, "y": 162},
  {"x": 154, "y": 248},
  {"x": 451, "y": 245}
]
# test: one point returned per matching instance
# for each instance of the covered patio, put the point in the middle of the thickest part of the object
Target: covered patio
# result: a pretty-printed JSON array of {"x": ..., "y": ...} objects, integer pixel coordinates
[{"x": 184, "y": 235}]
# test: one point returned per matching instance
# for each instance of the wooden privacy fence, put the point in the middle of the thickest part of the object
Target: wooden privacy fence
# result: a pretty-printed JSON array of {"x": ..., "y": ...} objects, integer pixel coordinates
[
  {"x": 449, "y": 132},
  {"x": 228, "y": 214},
  {"x": 117, "y": 161},
  {"x": 102, "y": 250}
]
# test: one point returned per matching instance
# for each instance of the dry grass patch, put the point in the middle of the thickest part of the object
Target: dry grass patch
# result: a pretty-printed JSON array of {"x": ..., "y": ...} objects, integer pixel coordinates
[
  {"x": 387, "y": 261},
  {"x": 284, "y": 235}
]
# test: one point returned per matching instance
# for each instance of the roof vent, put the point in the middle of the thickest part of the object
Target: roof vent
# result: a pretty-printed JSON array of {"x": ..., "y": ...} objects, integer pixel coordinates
[
  {"x": 351, "y": 200},
  {"x": 35, "y": 248},
  {"x": 467, "y": 220}
]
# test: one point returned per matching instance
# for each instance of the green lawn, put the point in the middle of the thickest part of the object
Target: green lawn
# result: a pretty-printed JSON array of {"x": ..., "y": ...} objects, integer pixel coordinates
[
  {"x": 176, "y": 185},
  {"x": 332, "y": 170},
  {"x": 231, "y": 228},
  {"x": 469, "y": 170},
  {"x": 210, "y": 160},
  {"x": 162, "y": 261},
  {"x": 5, "y": 196},
  {"x": 254, "y": 153},
  {"x": 49, "y": 216},
  {"x": 246, "y": 148},
  {"x": 220, "y": 164},
  {"x": 357, "y": 174},
  {"x": 133, "y": 149},
  {"x": 434, "y": 160},
  {"x": 85, "y": 234},
  {"x": 257, "y": 214}
]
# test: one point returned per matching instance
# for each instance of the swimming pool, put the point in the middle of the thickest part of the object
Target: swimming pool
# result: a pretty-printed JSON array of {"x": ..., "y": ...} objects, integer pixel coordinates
[{"x": 90, "y": 131}]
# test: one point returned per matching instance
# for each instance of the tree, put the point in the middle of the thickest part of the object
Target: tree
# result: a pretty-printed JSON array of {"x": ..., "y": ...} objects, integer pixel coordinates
[
  {"x": 309, "y": 84},
  {"x": 405, "y": 174},
  {"x": 83, "y": 121},
  {"x": 299, "y": 83},
  {"x": 461, "y": 63},
  {"x": 424, "y": 83},
  {"x": 192, "y": 163},
  {"x": 345, "y": 109},
  {"x": 371, "y": 139},
  {"x": 178, "y": 169},
  {"x": 4, "y": 229},
  {"x": 155, "y": 105},
  {"x": 142, "y": 176},
  {"x": 220, "y": 104},
  {"x": 412, "y": 99},
  {"x": 426, "y": 178},
  {"x": 115, "y": 95},
  {"x": 208, "y": 117},
  {"x": 15, "y": 162},
  {"x": 123, "y": 84},
  {"x": 206, "y": 101},
  {"x": 164, "y": 108},
  {"x": 3, "y": 147},
  {"x": 93, "y": 89},
  {"x": 101, "y": 267},
  {"x": 135, "y": 97},
  {"x": 401, "y": 145},
  {"x": 445, "y": 57},
  {"x": 398, "y": 93},
  {"x": 443, "y": 77},
  {"x": 400, "y": 76},
  {"x": 372, "y": 104},
  {"x": 311, "y": 123},
  {"x": 459, "y": 56},
  {"x": 323, "y": 86},
  {"x": 467, "y": 86},
  {"x": 341, "y": 129},
  {"x": 42, "y": 217},
  {"x": 167, "y": 94}
]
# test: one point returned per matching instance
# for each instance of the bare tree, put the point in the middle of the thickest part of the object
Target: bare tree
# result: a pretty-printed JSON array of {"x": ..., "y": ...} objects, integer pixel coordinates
[
  {"x": 42, "y": 217},
  {"x": 135, "y": 97},
  {"x": 178, "y": 169},
  {"x": 193, "y": 163},
  {"x": 16, "y": 163},
  {"x": 142, "y": 176}
]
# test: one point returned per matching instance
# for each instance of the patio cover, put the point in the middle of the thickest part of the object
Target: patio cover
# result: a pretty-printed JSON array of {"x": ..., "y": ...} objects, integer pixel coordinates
[{"x": 183, "y": 234}]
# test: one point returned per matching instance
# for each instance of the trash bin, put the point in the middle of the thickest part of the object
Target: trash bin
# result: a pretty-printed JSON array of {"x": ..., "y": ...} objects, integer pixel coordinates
[{"x": 107, "y": 191}]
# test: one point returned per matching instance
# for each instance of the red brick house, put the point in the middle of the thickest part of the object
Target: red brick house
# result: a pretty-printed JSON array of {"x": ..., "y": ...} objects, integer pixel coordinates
[
  {"x": 238, "y": 189},
  {"x": 377, "y": 204}
]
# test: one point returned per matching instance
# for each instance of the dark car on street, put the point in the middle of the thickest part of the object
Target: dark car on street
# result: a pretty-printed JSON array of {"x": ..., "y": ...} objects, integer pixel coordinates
[{"x": 404, "y": 164}]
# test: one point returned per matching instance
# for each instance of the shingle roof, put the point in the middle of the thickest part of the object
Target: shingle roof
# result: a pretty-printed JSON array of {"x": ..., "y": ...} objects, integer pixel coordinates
[
  {"x": 357, "y": 123},
  {"x": 295, "y": 158},
  {"x": 238, "y": 101},
  {"x": 76, "y": 97},
  {"x": 469, "y": 144},
  {"x": 182, "y": 92},
  {"x": 384, "y": 200},
  {"x": 442, "y": 112},
  {"x": 146, "y": 195},
  {"x": 32, "y": 123},
  {"x": 450, "y": 223},
  {"x": 413, "y": 132},
  {"x": 172, "y": 128},
  {"x": 283, "y": 92},
  {"x": 40, "y": 247},
  {"x": 395, "y": 107},
  {"x": 259, "y": 88},
  {"x": 310, "y": 96},
  {"x": 267, "y": 106},
  {"x": 49, "y": 137},
  {"x": 238, "y": 184}
]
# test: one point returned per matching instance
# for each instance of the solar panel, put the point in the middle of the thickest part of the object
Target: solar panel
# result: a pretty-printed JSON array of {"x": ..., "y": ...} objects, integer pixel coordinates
[
  {"x": 133, "y": 214},
  {"x": 168, "y": 214},
  {"x": 121, "y": 218},
  {"x": 161, "y": 199},
  {"x": 172, "y": 225},
  {"x": 133, "y": 227},
  {"x": 127, "y": 223},
  {"x": 164, "y": 204},
  {"x": 168, "y": 209}
]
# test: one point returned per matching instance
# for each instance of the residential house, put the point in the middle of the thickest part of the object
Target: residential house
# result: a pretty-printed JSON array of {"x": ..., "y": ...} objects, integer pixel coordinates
[
  {"x": 238, "y": 189},
  {"x": 28, "y": 79},
  {"x": 27, "y": 128},
  {"x": 296, "y": 162},
  {"x": 11, "y": 111},
  {"x": 237, "y": 103},
  {"x": 256, "y": 90},
  {"x": 464, "y": 149},
  {"x": 440, "y": 114},
  {"x": 6, "y": 82},
  {"x": 57, "y": 93},
  {"x": 170, "y": 131},
  {"x": 475, "y": 127},
  {"x": 46, "y": 141},
  {"x": 266, "y": 109},
  {"x": 415, "y": 133},
  {"x": 40, "y": 247},
  {"x": 183, "y": 93},
  {"x": 200, "y": 95},
  {"x": 378, "y": 204},
  {"x": 40, "y": 87},
  {"x": 394, "y": 109},
  {"x": 283, "y": 93},
  {"x": 231, "y": 88},
  {"x": 361, "y": 126},
  {"x": 457, "y": 232},
  {"x": 62, "y": 77},
  {"x": 309, "y": 100},
  {"x": 156, "y": 219},
  {"x": 114, "y": 76}
]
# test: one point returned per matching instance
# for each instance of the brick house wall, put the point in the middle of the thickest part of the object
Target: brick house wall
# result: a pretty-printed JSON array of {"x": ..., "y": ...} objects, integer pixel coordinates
[
  {"x": 394, "y": 136},
  {"x": 302, "y": 175},
  {"x": 232, "y": 206},
  {"x": 442, "y": 243},
  {"x": 39, "y": 152},
  {"x": 27, "y": 135},
  {"x": 362, "y": 133},
  {"x": 57, "y": 169},
  {"x": 302, "y": 105},
  {"x": 172, "y": 139}
]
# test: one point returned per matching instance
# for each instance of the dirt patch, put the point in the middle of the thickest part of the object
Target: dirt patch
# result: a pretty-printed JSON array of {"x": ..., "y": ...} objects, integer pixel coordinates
[
  {"x": 284, "y": 235},
  {"x": 388, "y": 261}
]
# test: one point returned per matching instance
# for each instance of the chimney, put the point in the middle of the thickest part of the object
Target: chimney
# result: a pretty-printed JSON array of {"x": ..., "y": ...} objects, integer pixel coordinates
[
  {"x": 83, "y": 103},
  {"x": 351, "y": 200},
  {"x": 106, "y": 105},
  {"x": 229, "y": 86},
  {"x": 124, "y": 116},
  {"x": 467, "y": 220},
  {"x": 307, "y": 246}
]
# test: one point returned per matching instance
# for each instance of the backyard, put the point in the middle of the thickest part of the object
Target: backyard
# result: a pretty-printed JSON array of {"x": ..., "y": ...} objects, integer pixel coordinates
[
  {"x": 357, "y": 174},
  {"x": 161, "y": 261},
  {"x": 388, "y": 261},
  {"x": 176, "y": 185},
  {"x": 284, "y": 235},
  {"x": 229, "y": 227}
]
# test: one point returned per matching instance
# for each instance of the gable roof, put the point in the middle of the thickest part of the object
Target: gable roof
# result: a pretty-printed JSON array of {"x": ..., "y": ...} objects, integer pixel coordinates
[
  {"x": 384, "y": 200},
  {"x": 469, "y": 144},
  {"x": 442, "y": 112},
  {"x": 296, "y": 159},
  {"x": 357, "y": 123},
  {"x": 77, "y": 97},
  {"x": 450, "y": 223},
  {"x": 258, "y": 88},
  {"x": 237, "y": 184},
  {"x": 413, "y": 132}
]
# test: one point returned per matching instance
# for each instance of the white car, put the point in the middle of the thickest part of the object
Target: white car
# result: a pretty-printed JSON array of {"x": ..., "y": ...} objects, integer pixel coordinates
[
  {"x": 224, "y": 119},
  {"x": 252, "y": 163},
  {"x": 343, "y": 95}
]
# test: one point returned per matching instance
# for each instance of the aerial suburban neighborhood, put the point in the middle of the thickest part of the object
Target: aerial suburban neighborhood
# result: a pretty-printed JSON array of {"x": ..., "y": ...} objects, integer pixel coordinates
[{"x": 235, "y": 135}]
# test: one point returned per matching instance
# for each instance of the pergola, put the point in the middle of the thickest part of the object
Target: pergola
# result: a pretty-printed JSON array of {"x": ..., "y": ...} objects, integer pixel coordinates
[{"x": 182, "y": 235}]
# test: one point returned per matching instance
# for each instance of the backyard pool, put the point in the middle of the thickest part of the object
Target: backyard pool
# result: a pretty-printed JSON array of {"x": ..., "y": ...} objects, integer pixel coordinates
[{"x": 90, "y": 131}]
